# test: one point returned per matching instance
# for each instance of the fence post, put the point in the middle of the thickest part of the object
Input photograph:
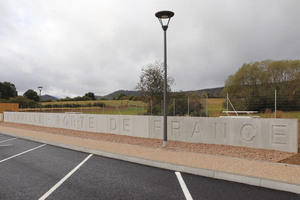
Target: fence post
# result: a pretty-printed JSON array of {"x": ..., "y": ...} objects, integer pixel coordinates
[
  {"x": 92, "y": 108},
  {"x": 188, "y": 106},
  {"x": 275, "y": 102},
  {"x": 206, "y": 105},
  {"x": 174, "y": 107},
  {"x": 227, "y": 103},
  {"x": 161, "y": 107},
  {"x": 151, "y": 107}
]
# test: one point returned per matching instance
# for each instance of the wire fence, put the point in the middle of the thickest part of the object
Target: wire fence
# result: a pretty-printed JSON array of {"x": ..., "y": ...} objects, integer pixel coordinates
[
  {"x": 183, "y": 107},
  {"x": 254, "y": 105}
]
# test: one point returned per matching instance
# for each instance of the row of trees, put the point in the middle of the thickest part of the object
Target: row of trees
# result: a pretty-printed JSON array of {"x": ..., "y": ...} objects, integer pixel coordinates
[
  {"x": 9, "y": 94},
  {"x": 252, "y": 87},
  {"x": 90, "y": 96}
]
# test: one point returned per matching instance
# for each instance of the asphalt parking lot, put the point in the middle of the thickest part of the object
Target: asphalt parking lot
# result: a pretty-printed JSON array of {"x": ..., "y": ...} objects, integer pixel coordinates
[{"x": 32, "y": 170}]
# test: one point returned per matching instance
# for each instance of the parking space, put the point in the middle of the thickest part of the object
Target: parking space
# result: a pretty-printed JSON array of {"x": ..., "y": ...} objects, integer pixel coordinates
[
  {"x": 31, "y": 170},
  {"x": 3, "y": 138},
  {"x": 208, "y": 188},
  {"x": 113, "y": 179},
  {"x": 13, "y": 146}
]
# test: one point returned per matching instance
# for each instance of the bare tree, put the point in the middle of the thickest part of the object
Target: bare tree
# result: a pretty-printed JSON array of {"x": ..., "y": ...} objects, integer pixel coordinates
[{"x": 151, "y": 83}]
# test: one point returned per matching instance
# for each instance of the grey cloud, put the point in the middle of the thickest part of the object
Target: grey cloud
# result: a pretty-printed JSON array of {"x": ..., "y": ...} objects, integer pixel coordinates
[{"x": 101, "y": 46}]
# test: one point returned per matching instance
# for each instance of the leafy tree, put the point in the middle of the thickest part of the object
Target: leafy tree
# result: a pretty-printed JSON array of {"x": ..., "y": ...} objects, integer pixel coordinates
[
  {"x": 151, "y": 83},
  {"x": 132, "y": 98},
  {"x": 84, "y": 98},
  {"x": 252, "y": 86},
  {"x": 32, "y": 95},
  {"x": 121, "y": 96},
  {"x": 7, "y": 90},
  {"x": 91, "y": 95}
]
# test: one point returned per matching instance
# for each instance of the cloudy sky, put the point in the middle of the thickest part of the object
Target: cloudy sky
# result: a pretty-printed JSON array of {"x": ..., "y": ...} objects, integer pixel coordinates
[{"x": 71, "y": 47}]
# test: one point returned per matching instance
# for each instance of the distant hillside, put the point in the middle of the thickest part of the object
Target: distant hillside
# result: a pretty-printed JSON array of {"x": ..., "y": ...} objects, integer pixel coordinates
[
  {"x": 46, "y": 96},
  {"x": 213, "y": 92},
  {"x": 126, "y": 92}
]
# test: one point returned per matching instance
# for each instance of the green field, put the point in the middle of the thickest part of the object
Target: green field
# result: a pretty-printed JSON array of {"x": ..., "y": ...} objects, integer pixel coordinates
[
  {"x": 215, "y": 106},
  {"x": 122, "y": 107}
]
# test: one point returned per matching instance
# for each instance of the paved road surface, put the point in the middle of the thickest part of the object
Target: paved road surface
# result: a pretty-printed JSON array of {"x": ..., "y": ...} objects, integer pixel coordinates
[{"x": 31, "y": 170}]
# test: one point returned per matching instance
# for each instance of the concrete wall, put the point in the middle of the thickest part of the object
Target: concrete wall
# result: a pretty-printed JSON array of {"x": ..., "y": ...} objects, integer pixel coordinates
[{"x": 276, "y": 134}]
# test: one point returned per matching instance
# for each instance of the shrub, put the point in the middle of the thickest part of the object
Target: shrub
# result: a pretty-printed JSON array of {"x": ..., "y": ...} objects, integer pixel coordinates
[
  {"x": 99, "y": 105},
  {"x": 279, "y": 114}
]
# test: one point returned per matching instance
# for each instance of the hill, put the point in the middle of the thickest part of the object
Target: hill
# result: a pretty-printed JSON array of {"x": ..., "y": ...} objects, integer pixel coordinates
[
  {"x": 213, "y": 92},
  {"x": 116, "y": 93},
  {"x": 46, "y": 96}
]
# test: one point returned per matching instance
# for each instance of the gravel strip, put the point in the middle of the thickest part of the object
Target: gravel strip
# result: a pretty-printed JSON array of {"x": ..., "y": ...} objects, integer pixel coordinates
[{"x": 214, "y": 149}]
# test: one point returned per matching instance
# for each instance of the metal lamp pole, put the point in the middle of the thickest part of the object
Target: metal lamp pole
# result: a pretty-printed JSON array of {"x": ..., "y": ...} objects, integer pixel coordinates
[
  {"x": 40, "y": 88},
  {"x": 165, "y": 16}
]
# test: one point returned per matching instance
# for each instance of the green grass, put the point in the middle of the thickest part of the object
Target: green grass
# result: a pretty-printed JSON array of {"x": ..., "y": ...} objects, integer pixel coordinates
[
  {"x": 115, "y": 107},
  {"x": 280, "y": 114},
  {"x": 215, "y": 106},
  {"x": 118, "y": 111}
]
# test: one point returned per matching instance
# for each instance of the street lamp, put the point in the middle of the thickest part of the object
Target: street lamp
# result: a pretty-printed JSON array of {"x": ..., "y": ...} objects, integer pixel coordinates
[
  {"x": 164, "y": 18},
  {"x": 40, "y": 88}
]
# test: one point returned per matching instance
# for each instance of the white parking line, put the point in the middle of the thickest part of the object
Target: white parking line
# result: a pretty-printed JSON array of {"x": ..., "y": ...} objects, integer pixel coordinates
[
  {"x": 22, "y": 153},
  {"x": 64, "y": 179},
  {"x": 183, "y": 186},
  {"x": 8, "y": 140}
]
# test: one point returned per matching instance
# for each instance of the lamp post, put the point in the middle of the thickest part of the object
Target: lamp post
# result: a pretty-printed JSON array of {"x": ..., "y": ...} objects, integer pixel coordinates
[
  {"x": 164, "y": 18},
  {"x": 40, "y": 88}
]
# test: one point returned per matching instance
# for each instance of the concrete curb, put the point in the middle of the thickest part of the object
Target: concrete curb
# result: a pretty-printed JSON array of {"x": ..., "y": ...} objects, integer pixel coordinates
[{"x": 255, "y": 181}]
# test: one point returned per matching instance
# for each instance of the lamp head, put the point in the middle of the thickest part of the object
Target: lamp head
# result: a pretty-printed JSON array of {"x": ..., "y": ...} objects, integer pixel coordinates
[{"x": 164, "y": 18}]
